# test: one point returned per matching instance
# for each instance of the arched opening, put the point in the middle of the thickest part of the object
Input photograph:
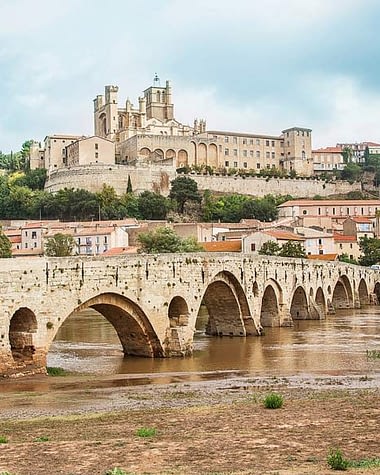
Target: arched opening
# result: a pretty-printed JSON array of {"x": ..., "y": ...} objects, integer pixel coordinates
[
  {"x": 255, "y": 289},
  {"x": 103, "y": 124},
  {"x": 363, "y": 293},
  {"x": 105, "y": 327},
  {"x": 227, "y": 308},
  {"x": 182, "y": 159},
  {"x": 376, "y": 291},
  {"x": 342, "y": 294},
  {"x": 213, "y": 155},
  {"x": 202, "y": 154},
  {"x": 170, "y": 155},
  {"x": 22, "y": 326},
  {"x": 299, "y": 308},
  {"x": 193, "y": 159},
  {"x": 145, "y": 152},
  {"x": 178, "y": 312},
  {"x": 270, "y": 315},
  {"x": 158, "y": 154},
  {"x": 320, "y": 302}
]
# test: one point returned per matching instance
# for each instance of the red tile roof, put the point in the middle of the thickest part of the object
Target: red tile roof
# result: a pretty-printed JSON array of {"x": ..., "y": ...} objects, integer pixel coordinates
[
  {"x": 323, "y": 257},
  {"x": 343, "y": 238},
  {"x": 361, "y": 219},
  {"x": 330, "y": 203},
  {"x": 222, "y": 246},
  {"x": 328, "y": 150}
]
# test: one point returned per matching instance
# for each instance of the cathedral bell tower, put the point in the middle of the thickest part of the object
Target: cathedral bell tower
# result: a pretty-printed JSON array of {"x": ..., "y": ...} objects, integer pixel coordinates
[{"x": 159, "y": 101}]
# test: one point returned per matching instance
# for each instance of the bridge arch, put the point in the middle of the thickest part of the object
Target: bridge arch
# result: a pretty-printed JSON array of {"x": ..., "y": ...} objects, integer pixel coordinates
[
  {"x": 299, "y": 307},
  {"x": 320, "y": 301},
  {"x": 342, "y": 294},
  {"x": 22, "y": 330},
  {"x": 136, "y": 333},
  {"x": 270, "y": 312},
  {"x": 376, "y": 291},
  {"x": 363, "y": 292},
  {"x": 227, "y": 307},
  {"x": 178, "y": 312}
]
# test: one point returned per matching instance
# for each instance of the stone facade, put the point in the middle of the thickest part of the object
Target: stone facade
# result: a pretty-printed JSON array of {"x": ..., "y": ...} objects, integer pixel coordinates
[{"x": 153, "y": 301}]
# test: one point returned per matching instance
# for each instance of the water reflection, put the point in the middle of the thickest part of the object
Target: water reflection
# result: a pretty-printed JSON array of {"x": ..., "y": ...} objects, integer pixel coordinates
[{"x": 87, "y": 343}]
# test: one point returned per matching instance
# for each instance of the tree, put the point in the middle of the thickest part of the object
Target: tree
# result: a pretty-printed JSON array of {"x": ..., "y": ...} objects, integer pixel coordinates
[
  {"x": 270, "y": 248},
  {"x": 345, "y": 258},
  {"x": 292, "y": 249},
  {"x": 60, "y": 245},
  {"x": 370, "y": 248},
  {"x": 5, "y": 245},
  {"x": 351, "y": 172},
  {"x": 129, "y": 185},
  {"x": 366, "y": 155},
  {"x": 152, "y": 205},
  {"x": 164, "y": 240},
  {"x": 347, "y": 154},
  {"x": 184, "y": 189}
]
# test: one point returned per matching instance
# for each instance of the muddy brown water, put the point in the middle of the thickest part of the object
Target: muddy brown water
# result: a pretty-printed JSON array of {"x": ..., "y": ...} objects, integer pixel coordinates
[{"x": 87, "y": 343}]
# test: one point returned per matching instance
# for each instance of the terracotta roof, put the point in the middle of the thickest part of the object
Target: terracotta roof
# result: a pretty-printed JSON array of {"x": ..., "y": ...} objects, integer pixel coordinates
[
  {"x": 323, "y": 257},
  {"x": 222, "y": 246},
  {"x": 284, "y": 235},
  {"x": 372, "y": 144},
  {"x": 14, "y": 239},
  {"x": 115, "y": 251},
  {"x": 343, "y": 238},
  {"x": 361, "y": 219},
  {"x": 330, "y": 203},
  {"x": 328, "y": 150}
]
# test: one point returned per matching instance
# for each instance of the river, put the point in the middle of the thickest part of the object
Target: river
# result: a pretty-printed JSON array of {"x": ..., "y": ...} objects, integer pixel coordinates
[{"x": 87, "y": 343}]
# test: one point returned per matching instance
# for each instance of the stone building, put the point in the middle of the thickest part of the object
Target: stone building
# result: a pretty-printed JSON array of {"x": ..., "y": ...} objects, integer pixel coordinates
[
  {"x": 327, "y": 159},
  {"x": 88, "y": 150}
]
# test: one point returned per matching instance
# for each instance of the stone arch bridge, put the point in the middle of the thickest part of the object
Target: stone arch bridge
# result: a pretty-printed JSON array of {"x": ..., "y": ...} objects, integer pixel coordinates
[{"x": 153, "y": 301}]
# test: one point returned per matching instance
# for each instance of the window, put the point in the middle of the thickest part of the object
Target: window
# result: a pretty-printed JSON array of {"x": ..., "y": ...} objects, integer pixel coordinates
[
  {"x": 96, "y": 155},
  {"x": 319, "y": 210},
  {"x": 350, "y": 245},
  {"x": 321, "y": 251},
  {"x": 348, "y": 211},
  {"x": 34, "y": 234},
  {"x": 273, "y": 143},
  {"x": 258, "y": 166},
  {"x": 253, "y": 247},
  {"x": 235, "y": 152},
  {"x": 226, "y": 163},
  {"x": 267, "y": 143},
  {"x": 257, "y": 141},
  {"x": 304, "y": 211},
  {"x": 96, "y": 146},
  {"x": 267, "y": 154},
  {"x": 273, "y": 155},
  {"x": 319, "y": 241},
  {"x": 340, "y": 246},
  {"x": 268, "y": 166},
  {"x": 245, "y": 165},
  {"x": 250, "y": 141},
  {"x": 251, "y": 153},
  {"x": 35, "y": 244},
  {"x": 88, "y": 241},
  {"x": 26, "y": 233},
  {"x": 245, "y": 153},
  {"x": 105, "y": 240},
  {"x": 362, "y": 210},
  {"x": 226, "y": 139},
  {"x": 235, "y": 164},
  {"x": 333, "y": 210},
  {"x": 258, "y": 154},
  {"x": 244, "y": 141},
  {"x": 226, "y": 151},
  {"x": 235, "y": 139}
]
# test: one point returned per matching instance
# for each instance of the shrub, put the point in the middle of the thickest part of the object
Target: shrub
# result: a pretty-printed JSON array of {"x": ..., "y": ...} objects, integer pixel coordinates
[
  {"x": 54, "y": 371},
  {"x": 3, "y": 439},
  {"x": 336, "y": 461},
  {"x": 146, "y": 432},
  {"x": 273, "y": 401},
  {"x": 115, "y": 471},
  {"x": 43, "y": 438}
]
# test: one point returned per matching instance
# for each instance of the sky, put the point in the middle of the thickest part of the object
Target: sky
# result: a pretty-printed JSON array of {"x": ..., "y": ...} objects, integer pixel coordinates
[{"x": 244, "y": 65}]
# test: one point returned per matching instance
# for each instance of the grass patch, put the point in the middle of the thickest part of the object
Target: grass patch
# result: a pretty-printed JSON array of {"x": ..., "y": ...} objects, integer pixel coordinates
[
  {"x": 364, "y": 463},
  {"x": 273, "y": 401},
  {"x": 146, "y": 432},
  {"x": 43, "y": 438},
  {"x": 3, "y": 439},
  {"x": 54, "y": 371},
  {"x": 336, "y": 461},
  {"x": 373, "y": 354},
  {"x": 117, "y": 471}
]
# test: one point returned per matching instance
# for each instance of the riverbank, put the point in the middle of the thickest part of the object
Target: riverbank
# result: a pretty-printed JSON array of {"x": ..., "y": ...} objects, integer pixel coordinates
[{"x": 82, "y": 425}]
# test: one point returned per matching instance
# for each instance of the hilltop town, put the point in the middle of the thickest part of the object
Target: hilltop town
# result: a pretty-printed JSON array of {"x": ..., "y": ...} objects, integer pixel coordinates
[{"x": 143, "y": 149}]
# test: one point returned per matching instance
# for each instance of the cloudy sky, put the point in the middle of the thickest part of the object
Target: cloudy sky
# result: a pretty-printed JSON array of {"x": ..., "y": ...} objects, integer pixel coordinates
[{"x": 243, "y": 65}]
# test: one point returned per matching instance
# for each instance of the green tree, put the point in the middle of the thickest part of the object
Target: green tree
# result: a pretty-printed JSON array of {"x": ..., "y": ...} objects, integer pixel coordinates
[
  {"x": 152, "y": 205},
  {"x": 33, "y": 179},
  {"x": 352, "y": 172},
  {"x": 270, "y": 248},
  {"x": 370, "y": 248},
  {"x": 366, "y": 155},
  {"x": 5, "y": 245},
  {"x": 292, "y": 249},
  {"x": 60, "y": 245},
  {"x": 347, "y": 154},
  {"x": 184, "y": 189},
  {"x": 164, "y": 240},
  {"x": 345, "y": 258}
]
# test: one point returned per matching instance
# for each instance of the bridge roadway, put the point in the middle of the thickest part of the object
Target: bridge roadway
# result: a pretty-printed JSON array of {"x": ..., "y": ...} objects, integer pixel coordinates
[{"x": 153, "y": 300}]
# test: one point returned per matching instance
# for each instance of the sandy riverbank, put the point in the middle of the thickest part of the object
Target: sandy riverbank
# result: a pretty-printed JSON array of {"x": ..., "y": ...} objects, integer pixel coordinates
[{"x": 87, "y": 426}]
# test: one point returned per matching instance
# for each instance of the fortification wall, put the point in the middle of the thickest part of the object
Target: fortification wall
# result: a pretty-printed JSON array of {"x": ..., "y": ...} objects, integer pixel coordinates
[
  {"x": 153, "y": 177},
  {"x": 257, "y": 186}
]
